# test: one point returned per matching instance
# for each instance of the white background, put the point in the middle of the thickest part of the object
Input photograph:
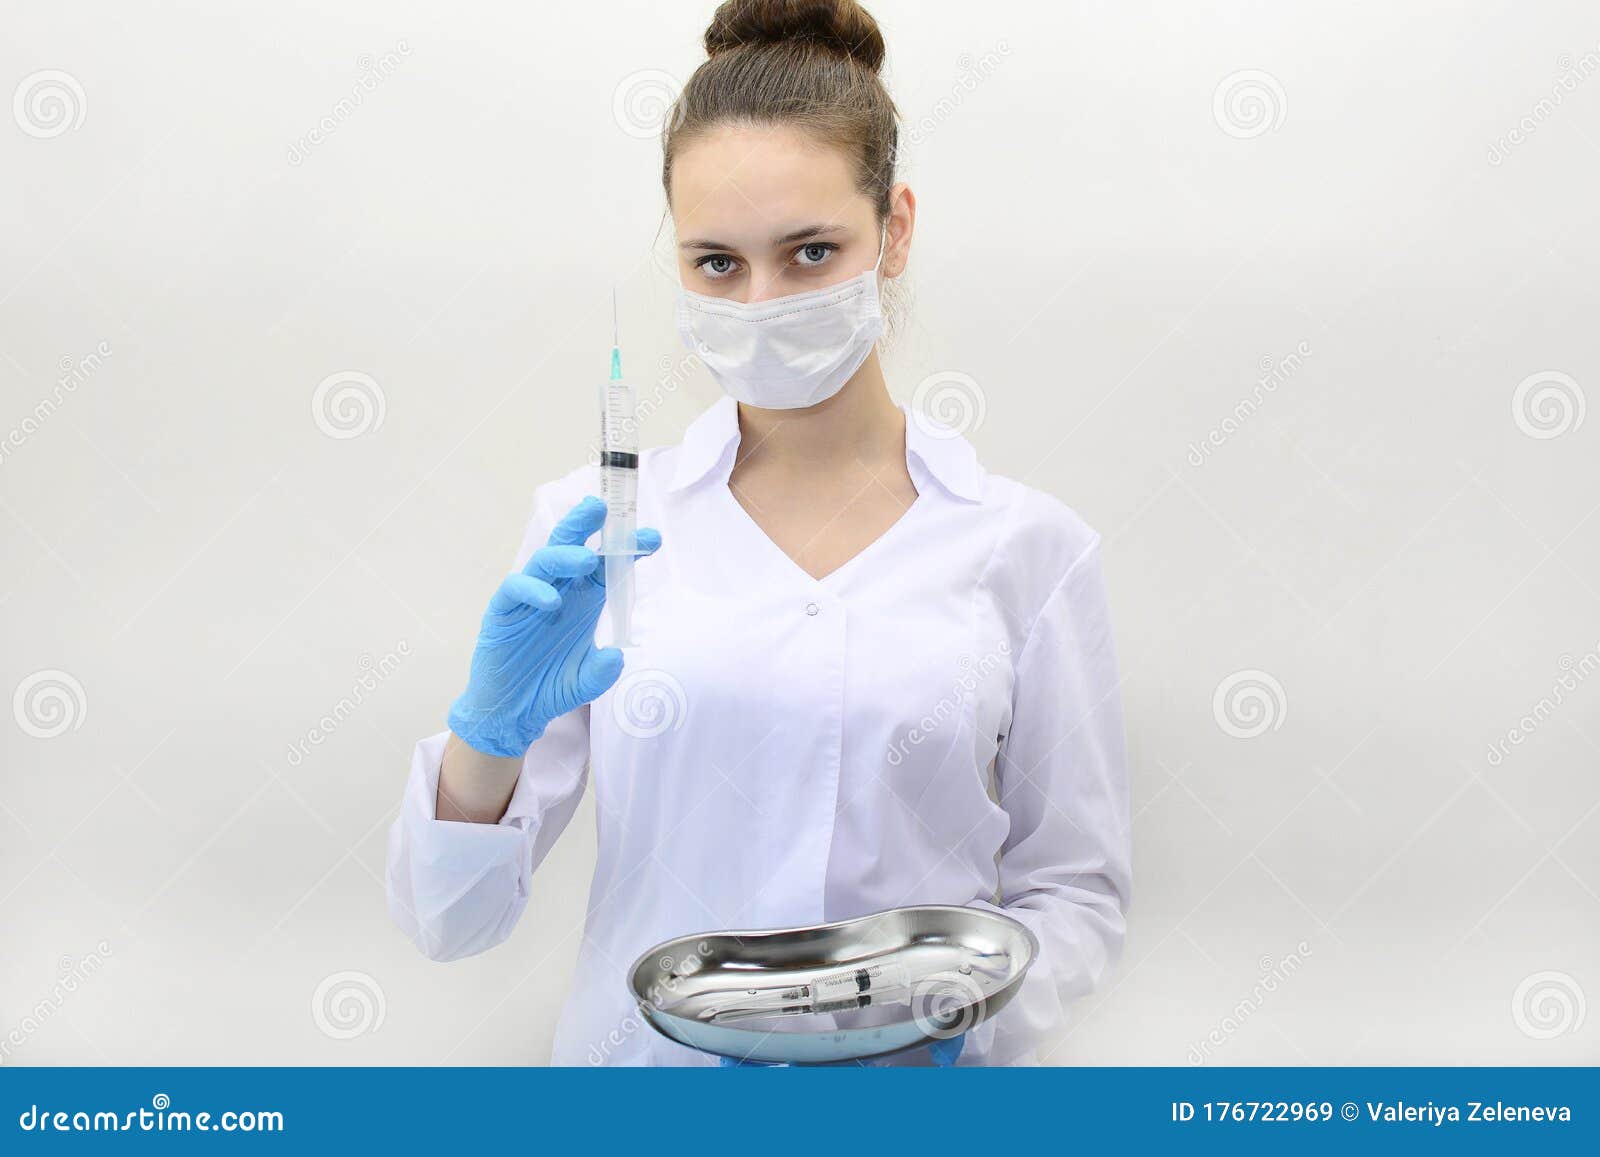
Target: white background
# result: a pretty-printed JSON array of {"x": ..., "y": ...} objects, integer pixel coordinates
[{"x": 1109, "y": 257}]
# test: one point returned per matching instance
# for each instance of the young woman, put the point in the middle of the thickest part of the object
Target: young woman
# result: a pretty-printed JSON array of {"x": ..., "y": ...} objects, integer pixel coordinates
[{"x": 867, "y": 672}]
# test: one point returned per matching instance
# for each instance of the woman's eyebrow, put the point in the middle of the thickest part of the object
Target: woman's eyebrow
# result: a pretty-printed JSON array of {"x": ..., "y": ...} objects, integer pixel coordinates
[
  {"x": 789, "y": 238},
  {"x": 806, "y": 234}
]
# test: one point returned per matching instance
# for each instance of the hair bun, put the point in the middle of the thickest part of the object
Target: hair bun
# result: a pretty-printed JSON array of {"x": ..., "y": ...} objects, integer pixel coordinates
[{"x": 839, "y": 26}]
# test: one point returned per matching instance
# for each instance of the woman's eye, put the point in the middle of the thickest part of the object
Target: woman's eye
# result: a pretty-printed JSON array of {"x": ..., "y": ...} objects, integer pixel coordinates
[
  {"x": 814, "y": 254},
  {"x": 716, "y": 266}
]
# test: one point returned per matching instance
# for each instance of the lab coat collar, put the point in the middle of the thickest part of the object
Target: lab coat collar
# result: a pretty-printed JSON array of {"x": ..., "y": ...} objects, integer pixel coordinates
[
  {"x": 708, "y": 440},
  {"x": 944, "y": 453}
]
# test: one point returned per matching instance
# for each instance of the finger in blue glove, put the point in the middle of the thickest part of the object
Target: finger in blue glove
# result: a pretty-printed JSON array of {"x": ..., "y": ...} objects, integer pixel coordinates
[{"x": 535, "y": 658}]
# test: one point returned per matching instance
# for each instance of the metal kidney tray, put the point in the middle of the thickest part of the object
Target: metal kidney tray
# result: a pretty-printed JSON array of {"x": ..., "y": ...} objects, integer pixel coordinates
[{"x": 834, "y": 992}]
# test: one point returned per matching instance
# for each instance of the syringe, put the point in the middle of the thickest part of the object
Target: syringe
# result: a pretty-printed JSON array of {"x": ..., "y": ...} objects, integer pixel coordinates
[
  {"x": 619, "y": 486},
  {"x": 841, "y": 991}
]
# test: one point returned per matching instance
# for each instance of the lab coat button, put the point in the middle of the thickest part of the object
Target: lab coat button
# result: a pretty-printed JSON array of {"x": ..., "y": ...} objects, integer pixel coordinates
[{"x": 812, "y": 608}]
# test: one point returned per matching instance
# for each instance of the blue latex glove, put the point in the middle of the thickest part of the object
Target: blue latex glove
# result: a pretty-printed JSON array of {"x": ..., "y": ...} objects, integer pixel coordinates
[
  {"x": 536, "y": 659},
  {"x": 943, "y": 1052}
]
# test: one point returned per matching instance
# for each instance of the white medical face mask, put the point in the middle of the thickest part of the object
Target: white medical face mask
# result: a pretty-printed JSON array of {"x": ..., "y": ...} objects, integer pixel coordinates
[{"x": 788, "y": 352}]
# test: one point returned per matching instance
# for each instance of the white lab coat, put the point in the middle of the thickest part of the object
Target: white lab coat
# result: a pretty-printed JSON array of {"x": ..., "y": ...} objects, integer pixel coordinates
[{"x": 783, "y": 750}]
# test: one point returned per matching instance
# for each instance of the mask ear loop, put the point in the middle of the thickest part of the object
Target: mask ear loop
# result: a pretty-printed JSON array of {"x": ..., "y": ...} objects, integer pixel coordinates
[{"x": 883, "y": 246}]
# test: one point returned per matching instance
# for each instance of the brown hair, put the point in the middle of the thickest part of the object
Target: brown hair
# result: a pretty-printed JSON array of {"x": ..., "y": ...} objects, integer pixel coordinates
[{"x": 812, "y": 64}]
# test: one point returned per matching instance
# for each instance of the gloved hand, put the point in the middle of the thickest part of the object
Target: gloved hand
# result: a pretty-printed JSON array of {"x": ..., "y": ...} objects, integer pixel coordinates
[{"x": 535, "y": 659}]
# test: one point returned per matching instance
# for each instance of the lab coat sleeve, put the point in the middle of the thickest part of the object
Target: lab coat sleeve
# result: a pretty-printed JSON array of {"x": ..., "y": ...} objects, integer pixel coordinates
[
  {"x": 1062, "y": 778},
  {"x": 456, "y": 889}
]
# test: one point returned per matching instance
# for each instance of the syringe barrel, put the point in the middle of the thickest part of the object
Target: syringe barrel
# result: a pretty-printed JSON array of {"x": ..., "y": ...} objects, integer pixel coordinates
[
  {"x": 619, "y": 417},
  {"x": 619, "y": 486},
  {"x": 619, "y": 465},
  {"x": 849, "y": 984}
]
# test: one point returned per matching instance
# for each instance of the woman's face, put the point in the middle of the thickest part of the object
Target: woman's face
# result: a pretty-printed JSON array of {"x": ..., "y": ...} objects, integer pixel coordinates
[{"x": 764, "y": 211}]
